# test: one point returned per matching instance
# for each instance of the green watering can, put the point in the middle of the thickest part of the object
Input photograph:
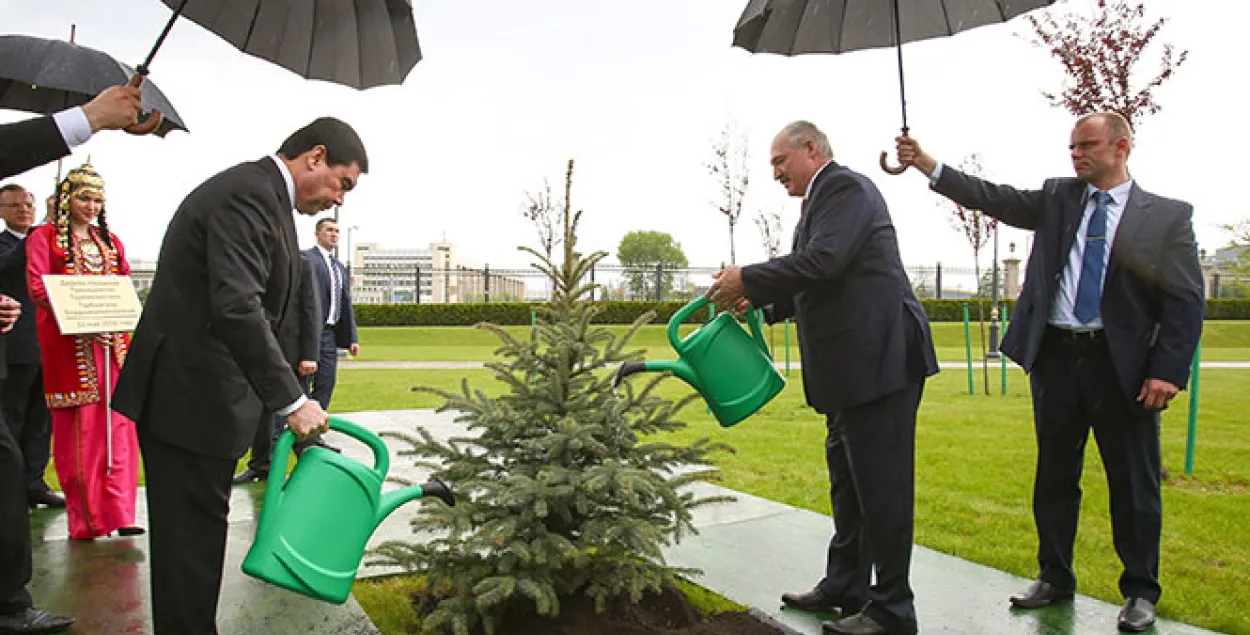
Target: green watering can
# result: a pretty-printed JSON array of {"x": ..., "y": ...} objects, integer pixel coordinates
[
  {"x": 731, "y": 370},
  {"x": 313, "y": 528}
]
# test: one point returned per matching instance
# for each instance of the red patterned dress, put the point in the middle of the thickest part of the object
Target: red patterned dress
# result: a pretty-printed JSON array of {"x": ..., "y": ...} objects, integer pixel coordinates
[{"x": 98, "y": 500}]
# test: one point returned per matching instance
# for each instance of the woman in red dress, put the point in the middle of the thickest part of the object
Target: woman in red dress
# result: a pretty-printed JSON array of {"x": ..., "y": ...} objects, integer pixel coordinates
[{"x": 96, "y": 451}]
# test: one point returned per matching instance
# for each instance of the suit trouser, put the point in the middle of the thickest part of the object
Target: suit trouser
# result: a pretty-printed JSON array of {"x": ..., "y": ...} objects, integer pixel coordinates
[
  {"x": 1075, "y": 388},
  {"x": 322, "y": 381},
  {"x": 871, "y": 454},
  {"x": 188, "y": 501},
  {"x": 267, "y": 431},
  {"x": 15, "y": 563},
  {"x": 26, "y": 413}
]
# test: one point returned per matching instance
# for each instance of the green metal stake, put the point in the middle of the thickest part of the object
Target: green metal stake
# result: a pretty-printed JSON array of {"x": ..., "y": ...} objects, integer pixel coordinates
[
  {"x": 1002, "y": 320},
  {"x": 787, "y": 347},
  {"x": 968, "y": 346},
  {"x": 1192, "y": 439}
]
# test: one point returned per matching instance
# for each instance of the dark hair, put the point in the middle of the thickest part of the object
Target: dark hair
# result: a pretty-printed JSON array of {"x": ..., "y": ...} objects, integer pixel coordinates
[
  {"x": 343, "y": 145},
  {"x": 323, "y": 221},
  {"x": 13, "y": 187}
]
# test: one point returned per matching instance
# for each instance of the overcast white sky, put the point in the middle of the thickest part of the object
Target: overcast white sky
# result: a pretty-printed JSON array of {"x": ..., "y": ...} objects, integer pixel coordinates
[{"x": 636, "y": 92}]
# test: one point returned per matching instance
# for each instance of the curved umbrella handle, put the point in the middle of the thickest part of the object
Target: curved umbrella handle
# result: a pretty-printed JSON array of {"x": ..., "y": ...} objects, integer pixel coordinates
[
  {"x": 148, "y": 122},
  {"x": 895, "y": 170}
]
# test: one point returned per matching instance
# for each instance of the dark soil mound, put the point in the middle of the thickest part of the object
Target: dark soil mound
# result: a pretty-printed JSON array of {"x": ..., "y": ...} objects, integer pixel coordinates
[{"x": 666, "y": 613}]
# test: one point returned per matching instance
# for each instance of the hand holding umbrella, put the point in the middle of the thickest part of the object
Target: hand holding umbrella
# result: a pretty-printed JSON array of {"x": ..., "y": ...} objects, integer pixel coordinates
[{"x": 117, "y": 107}]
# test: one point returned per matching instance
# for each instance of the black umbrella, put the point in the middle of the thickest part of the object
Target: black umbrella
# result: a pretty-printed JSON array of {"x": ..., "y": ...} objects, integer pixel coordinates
[
  {"x": 47, "y": 76},
  {"x": 357, "y": 43},
  {"x": 796, "y": 27}
]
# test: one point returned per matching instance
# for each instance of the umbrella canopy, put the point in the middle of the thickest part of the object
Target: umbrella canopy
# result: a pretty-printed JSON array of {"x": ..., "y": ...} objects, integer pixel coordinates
[
  {"x": 46, "y": 76},
  {"x": 795, "y": 27},
  {"x": 357, "y": 43}
]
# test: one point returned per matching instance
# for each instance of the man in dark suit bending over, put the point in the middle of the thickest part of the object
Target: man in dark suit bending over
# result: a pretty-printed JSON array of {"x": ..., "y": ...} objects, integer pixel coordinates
[
  {"x": 866, "y": 353},
  {"x": 1106, "y": 325},
  {"x": 207, "y": 357}
]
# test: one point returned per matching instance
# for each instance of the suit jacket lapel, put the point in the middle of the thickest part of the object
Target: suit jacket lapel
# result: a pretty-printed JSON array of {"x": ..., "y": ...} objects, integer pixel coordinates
[
  {"x": 1070, "y": 221},
  {"x": 287, "y": 238},
  {"x": 1133, "y": 220}
]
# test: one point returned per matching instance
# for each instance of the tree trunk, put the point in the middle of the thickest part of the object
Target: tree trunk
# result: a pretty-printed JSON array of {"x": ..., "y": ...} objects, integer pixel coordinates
[
  {"x": 985, "y": 362},
  {"x": 732, "y": 259}
]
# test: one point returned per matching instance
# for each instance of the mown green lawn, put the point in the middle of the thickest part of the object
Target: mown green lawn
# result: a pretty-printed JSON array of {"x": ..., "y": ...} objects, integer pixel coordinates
[
  {"x": 1222, "y": 341},
  {"x": 974, "y": 470}
]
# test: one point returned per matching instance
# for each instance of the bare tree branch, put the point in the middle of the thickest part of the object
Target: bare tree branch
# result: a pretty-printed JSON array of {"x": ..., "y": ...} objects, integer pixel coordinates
[{"x": 729, "y": 165}]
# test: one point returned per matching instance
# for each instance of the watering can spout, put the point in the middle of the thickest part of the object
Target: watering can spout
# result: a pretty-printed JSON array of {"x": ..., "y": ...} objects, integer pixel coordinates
[
  {"x": 677, "y": 367},
  {"x": 392, "y": 500}
]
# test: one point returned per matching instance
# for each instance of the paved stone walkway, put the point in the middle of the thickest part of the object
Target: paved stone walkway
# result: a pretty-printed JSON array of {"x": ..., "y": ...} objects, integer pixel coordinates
[
  {"x": 794, "y": 366},
  {"x": 750, "y": 550}
]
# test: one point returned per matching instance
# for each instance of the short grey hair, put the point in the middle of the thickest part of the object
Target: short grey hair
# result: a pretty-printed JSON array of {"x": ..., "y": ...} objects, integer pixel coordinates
[{"x": 801, "y": 132}]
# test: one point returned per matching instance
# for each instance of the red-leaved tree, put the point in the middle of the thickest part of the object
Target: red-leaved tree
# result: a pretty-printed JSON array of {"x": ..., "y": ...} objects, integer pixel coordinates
[{"x": 1099, "y": 52}]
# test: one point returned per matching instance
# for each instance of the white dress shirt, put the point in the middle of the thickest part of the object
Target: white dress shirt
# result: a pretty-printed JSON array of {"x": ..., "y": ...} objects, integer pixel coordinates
[
  {"x": 1063, "y": 309},
  {"x": 74, "y": 127},
  {"x": 332, "y": 316}
]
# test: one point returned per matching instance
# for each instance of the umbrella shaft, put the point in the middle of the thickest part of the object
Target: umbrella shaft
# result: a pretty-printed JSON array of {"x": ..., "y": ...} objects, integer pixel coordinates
[
  {"x": 898, "y": 47},
  {"x": 143, "y": 68}
]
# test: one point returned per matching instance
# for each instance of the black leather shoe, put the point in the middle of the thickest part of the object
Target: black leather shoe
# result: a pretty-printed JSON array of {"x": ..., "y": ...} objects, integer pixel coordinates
[
  {"x": 1137, "y": 615},
  {"x": 815, "y": 600},
  {"x": 131, "y": 531},
  {"x": 249, "y": 476},
  {"x": 1039, "y": 594},
  {"x": 46, "y": 497},
  {"x": 33, "y": 621},
  {"x": 857, "y": 624}
]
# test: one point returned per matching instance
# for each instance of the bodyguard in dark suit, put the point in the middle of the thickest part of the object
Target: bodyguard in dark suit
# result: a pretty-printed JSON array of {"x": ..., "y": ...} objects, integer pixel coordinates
[
  {"x": 25, "y": 145},
  {"x": 333, "y": 283},
  {"x": 206, "y": 359},
  {"x": 866, "y": 351},
  {"x": 1106, "y": 325},
  {"x": 300, "y": 345},
  {"x": 21, "y": 392}
]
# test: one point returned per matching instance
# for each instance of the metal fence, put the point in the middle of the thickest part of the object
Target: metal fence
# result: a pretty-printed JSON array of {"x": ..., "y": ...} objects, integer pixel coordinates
[{"x": 388, "y": 284}]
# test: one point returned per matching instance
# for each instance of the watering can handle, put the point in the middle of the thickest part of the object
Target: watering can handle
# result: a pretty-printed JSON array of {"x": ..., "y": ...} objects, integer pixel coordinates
[
  {"x": 680, "y": 316},
  {"x": 381, "y": 455},
  {"x": 753, "y": 322}
]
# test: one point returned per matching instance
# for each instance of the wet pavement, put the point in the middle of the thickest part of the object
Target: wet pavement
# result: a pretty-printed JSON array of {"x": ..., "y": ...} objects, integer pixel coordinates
[{"x": 750, "y": 550}]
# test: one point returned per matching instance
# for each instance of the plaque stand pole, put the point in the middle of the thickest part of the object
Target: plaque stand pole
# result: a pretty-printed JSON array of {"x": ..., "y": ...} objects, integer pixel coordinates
[{"x": 108, "y": 408}]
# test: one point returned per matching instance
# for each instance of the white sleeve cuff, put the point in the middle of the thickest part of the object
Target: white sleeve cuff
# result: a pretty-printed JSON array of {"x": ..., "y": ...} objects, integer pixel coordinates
[
  {"x": 937, "y": 174},
  {"x": 74, "y": 127},
  {"x": 303, "y": 399}
]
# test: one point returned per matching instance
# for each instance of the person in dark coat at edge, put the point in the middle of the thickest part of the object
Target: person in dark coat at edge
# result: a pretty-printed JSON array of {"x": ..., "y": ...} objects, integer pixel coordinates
[
  {"x": 25, "y": 408},
  {"x": 299, "y": 344},
  {"x": 1106, "y": 326},
  {"x": 25, "y": 145},
  {"x": 206, "y": 359},
  {"x": 866, "y": 351}
]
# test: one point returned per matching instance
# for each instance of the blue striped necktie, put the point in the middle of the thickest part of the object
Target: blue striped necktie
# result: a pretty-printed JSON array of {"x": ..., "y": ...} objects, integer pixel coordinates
[{"x": 1089, "y": 288}]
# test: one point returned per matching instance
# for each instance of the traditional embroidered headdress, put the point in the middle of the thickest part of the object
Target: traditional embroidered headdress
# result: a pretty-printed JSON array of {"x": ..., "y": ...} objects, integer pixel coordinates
[{"x": 79, "y": 180}]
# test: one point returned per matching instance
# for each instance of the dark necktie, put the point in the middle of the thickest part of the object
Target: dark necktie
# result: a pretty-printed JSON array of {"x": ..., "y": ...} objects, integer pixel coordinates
[{"x": 1089, "y": 287}]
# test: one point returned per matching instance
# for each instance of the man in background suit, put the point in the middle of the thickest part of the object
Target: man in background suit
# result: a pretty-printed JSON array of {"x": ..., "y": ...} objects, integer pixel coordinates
[
  {"x": 334, "y": 291},
  {"x": 301, "y": 344},
  {"x": 25, "y": 409},
  {"x": 866, "y": 351},
  {"x": 207, "y": 360},
  {"x": 25, "y": 145},
  {"x": 1106, "y": 325}
]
